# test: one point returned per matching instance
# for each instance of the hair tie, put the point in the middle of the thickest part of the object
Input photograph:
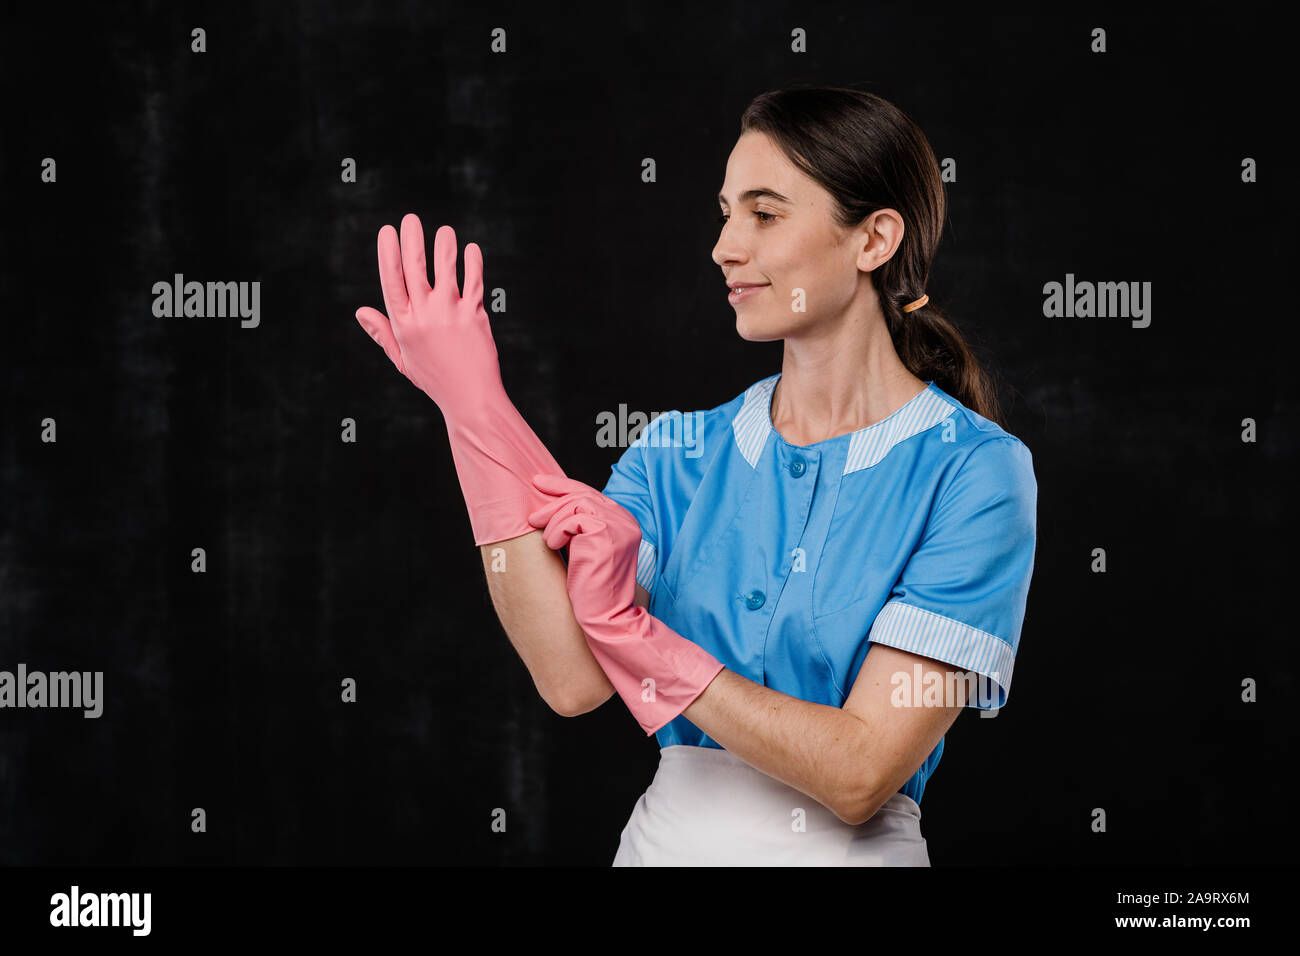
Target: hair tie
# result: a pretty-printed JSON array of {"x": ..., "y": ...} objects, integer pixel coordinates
[{"x": 917, "y": 304}]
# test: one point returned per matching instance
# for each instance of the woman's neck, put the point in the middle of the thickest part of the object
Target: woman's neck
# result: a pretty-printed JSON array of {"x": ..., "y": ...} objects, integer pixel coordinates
[{"x": 825, "y": 392}]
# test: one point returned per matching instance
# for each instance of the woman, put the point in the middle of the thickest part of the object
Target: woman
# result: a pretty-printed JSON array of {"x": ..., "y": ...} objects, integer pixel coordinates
[{"x": 800, "y": 610}]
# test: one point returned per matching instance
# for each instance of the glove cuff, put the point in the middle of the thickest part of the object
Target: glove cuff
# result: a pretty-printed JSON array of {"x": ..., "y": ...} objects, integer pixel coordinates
[
  {"x": 496, "y": 456},
  {"x": 656, "y": 671}
]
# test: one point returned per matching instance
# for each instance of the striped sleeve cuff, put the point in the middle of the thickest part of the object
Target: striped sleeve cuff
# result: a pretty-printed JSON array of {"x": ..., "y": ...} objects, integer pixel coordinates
[
  {"x": 923, "y": 632},
  {"x": 646, "y": 565}
]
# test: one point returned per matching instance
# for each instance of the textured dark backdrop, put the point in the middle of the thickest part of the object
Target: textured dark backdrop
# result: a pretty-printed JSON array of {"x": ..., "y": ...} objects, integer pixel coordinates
[{"x": 329, "y": 560}]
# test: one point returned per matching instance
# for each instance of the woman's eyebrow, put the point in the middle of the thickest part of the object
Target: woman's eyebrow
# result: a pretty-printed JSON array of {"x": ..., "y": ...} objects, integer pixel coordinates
[{"x": 749, "y": 194}]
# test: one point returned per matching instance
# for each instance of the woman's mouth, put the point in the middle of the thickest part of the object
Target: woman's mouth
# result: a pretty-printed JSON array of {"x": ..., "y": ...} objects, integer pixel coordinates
[{"x": 736, "y": 296}]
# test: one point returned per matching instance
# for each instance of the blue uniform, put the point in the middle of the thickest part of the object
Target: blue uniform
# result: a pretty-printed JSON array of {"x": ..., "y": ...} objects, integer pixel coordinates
[{"x": 786, "y": 561}]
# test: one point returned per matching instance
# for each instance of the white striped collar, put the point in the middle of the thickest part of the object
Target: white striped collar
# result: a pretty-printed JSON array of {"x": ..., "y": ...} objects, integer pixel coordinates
[{"x": 867, "y": 446}]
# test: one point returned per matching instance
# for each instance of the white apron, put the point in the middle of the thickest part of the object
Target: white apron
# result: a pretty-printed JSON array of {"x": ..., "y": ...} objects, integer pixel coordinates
[{"x": 707, "y": 807}]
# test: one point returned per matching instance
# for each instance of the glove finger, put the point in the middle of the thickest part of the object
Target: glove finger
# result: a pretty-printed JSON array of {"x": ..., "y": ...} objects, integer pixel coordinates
[
  {"x": 417, "y": 279},
  {"x": 561, "y": 485},
  {"x": 556, "y": 535},
  {"x": 473, "y": 293},
  {"x": 541, "y": 517},
  {"x": 391, "y": 277},
  {"x": 597, "y": 502},
  {"x": 560, "y": 530},
  {"x": 568, "y": 504},
  {"x": 568, "y": 523},
  {"x": 444, "y": 262},
  {"x": 579, "y": 502},
  {"x": 378, "y": 328}
]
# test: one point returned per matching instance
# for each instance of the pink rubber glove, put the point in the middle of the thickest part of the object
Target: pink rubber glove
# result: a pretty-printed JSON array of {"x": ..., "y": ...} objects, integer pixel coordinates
[
  {"x": 656, "y": 671},
  {"x": 442, "y": 342}
]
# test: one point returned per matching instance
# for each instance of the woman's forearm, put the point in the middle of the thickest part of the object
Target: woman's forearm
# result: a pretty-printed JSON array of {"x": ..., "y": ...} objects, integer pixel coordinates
[
  {"x": 815, "y": 748},
  {"x": 528, "y": 584}
]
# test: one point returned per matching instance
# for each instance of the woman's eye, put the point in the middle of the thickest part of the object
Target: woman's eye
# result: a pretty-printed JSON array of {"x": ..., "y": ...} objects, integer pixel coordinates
[{"x": 770, "y": 217}]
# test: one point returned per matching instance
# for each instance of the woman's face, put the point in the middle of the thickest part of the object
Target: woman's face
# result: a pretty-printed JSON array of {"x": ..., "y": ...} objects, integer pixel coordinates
[{"x": 785, "y": 243}]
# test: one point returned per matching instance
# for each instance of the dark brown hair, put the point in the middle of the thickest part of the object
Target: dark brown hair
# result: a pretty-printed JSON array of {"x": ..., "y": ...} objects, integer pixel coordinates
[{"x": 869, "y": 155}]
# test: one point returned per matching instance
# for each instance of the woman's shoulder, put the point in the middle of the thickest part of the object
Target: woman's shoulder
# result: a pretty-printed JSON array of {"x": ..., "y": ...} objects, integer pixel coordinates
[
  {"x": 974, "y": 446},
  {"x": 968, "y": 428}
]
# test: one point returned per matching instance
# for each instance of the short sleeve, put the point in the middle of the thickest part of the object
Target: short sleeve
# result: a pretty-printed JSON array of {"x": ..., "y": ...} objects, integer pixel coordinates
[
  {"x": 961, "y": 597},
  {"x": 629, "y": 486}
]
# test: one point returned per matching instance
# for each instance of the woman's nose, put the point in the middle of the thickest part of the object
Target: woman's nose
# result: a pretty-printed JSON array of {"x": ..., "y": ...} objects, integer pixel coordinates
[{"x": 725, "y": 251}]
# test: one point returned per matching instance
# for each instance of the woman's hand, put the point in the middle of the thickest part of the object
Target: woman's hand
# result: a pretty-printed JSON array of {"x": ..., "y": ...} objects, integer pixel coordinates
[
  {"x": 442, "y": 342},
  {"x": 603, "y": 539},
  {"x": 656, "y": 671},
  {"x": 438, "y": 338}
]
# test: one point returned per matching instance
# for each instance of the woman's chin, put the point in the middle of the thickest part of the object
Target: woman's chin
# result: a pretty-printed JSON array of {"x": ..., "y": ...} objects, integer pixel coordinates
[{"x": 756, "y": 330}]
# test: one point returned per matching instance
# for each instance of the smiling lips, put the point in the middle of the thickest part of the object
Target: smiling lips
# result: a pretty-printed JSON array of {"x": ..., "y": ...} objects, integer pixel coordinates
[{"x": 743, "y": 291}]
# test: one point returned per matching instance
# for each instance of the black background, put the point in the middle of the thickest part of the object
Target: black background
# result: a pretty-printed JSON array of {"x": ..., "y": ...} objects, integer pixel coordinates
[{"x": 329, "y": 560}]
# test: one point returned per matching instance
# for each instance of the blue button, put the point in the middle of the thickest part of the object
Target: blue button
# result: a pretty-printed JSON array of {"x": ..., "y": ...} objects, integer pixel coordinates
[
  {"x": 797, "y": 466},
  {"x": 754, "y": 600}
]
